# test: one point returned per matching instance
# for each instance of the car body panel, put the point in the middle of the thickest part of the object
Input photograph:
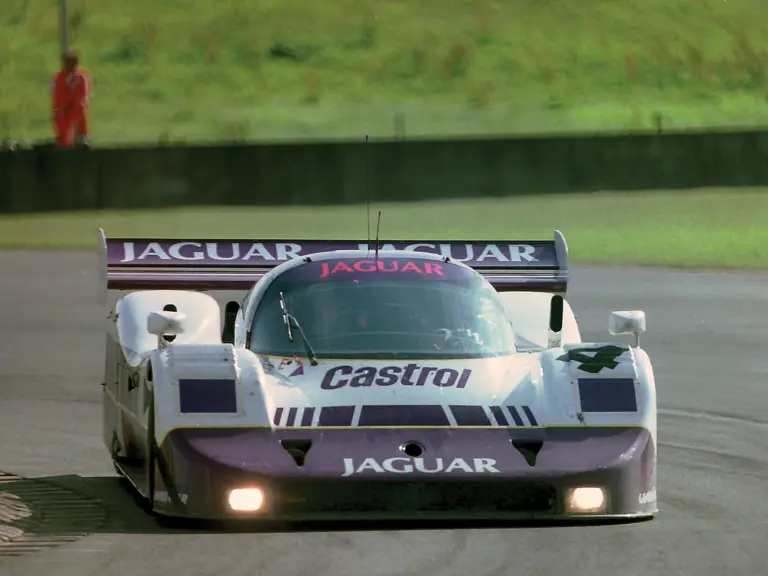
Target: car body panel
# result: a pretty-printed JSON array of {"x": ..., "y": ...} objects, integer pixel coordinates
[{"x": 189, "y": 417}]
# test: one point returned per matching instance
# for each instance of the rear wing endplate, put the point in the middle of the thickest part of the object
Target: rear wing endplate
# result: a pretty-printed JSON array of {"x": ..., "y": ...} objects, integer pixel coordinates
[{"x": 196, "y": 264}]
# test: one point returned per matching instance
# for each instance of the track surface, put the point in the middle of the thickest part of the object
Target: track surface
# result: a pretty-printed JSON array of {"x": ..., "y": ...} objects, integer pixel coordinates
[{"x": 706, "y": 338}]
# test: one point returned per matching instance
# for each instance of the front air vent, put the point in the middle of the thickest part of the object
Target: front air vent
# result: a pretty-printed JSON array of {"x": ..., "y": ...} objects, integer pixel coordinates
[
  {"x": 529, "y": 449},
  {"x": 314, "y": 496},
  {"x": 298, "y": 449}
]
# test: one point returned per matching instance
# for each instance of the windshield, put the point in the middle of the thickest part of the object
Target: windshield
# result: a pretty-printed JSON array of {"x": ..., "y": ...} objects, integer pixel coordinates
[{"x": 392, "y": 308}]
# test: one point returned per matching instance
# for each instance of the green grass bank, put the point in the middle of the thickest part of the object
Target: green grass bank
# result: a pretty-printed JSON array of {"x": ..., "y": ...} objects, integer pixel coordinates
[
  {"x": 269, "y": 69},
  {"x": 701, "y": 229}
]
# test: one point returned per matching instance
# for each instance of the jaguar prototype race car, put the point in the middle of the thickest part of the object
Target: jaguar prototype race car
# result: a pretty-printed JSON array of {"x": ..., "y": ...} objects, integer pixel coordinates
[{"x": 302, "y": 380}]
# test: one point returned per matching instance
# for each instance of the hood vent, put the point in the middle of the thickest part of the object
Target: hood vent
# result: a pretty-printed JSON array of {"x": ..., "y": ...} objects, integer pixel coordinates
[
  {"x": 298, "y": 449},
  {"x": 529, "y": 449}
]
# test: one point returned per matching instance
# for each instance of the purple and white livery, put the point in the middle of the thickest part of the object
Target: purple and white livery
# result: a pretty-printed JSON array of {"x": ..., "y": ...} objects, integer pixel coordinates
[{"x": 329, "y": 380}]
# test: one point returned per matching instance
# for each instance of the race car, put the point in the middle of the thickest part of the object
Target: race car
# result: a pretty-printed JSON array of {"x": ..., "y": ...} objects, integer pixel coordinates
[{"x": 317, "y": 380}]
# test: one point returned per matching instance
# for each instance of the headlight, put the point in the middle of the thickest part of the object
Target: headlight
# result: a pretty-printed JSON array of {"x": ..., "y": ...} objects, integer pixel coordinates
[
  {"x": 586, "y": 500},
  {"x": 246, "y": 499}
]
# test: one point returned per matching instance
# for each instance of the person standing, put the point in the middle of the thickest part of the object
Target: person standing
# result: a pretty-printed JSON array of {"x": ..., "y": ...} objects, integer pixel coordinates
[{"x": 71, "y": 92}]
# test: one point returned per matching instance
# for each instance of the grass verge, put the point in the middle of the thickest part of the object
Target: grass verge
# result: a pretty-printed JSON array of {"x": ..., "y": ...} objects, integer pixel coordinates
[
  {"x": 725, "y": 228},
  {"x": 256, "y": 69}
]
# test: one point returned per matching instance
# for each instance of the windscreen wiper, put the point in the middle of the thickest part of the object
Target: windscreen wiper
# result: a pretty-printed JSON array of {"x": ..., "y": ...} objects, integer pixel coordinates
[{"x": 290, "y": 323}]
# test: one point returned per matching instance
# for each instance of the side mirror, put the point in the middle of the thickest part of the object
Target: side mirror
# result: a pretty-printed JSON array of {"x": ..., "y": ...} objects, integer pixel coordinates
[
  {"x": 165, "y": 323},
  {"x": 627, "y": 322}
]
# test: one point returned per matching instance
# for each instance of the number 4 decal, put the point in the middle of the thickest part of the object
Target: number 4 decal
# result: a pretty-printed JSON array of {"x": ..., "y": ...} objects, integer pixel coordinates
[{"x": 593, "y": 360}]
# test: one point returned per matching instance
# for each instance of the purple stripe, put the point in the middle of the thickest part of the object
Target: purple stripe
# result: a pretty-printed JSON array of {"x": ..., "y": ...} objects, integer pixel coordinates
[
  {"x": 197, "y": 281},
  {"x": 516, "y": 416},
  {"x": 531, "y": 417},
  {"x": 470, "y": 416},
  {"x": 184, "y": 280},
  {"x": 511, "y": 283},
  {"x": 306, "y": 419},
  {"x": 336, "y": 416},
  {"x": 403, "y": 416},
  {"x": 207, "y": 396},
  {"x": 607, "y": 395},
  {"x": 278, "y": 415},
  {"x": 498, "y": 413},
  {"x": 292, "y": 417}
]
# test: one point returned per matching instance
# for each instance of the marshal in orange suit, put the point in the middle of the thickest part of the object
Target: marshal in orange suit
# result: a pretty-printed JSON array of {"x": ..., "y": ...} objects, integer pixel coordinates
[{"x": 71, "y": 92}]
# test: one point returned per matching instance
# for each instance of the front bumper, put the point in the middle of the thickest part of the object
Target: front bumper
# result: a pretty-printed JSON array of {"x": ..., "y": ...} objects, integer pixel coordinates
[{"x": 202, "y": 467}]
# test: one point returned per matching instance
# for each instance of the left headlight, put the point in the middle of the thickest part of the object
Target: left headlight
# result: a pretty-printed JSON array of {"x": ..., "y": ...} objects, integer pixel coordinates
[{"x": 246, "y": 499}]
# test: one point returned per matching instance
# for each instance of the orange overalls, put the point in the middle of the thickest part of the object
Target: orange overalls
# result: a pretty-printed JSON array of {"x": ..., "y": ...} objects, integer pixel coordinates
[{"x": 71, "y": 92}]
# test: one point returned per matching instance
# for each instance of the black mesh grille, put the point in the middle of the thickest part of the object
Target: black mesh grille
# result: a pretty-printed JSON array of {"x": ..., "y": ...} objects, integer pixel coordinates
[{"x": 366, "y": 496}]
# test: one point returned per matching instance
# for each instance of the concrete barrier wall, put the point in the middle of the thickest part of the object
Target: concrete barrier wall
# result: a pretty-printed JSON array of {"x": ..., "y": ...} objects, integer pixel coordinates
[{"x": 331, "y": 173}]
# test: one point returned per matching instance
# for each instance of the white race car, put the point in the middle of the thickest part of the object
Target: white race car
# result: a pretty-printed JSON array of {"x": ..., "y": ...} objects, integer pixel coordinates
[{"x": 333, "y": 380}]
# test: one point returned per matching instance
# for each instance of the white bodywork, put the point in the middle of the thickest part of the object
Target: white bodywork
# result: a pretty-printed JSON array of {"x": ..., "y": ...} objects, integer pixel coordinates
[{"x": 536, "y": 380}]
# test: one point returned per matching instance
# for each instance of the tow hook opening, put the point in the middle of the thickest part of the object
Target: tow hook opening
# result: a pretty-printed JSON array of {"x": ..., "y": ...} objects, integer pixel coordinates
[
  {"x": 529, "y": 449},
  {"x": 298, "y": 449},
  {"x": 412, "y": 449}
]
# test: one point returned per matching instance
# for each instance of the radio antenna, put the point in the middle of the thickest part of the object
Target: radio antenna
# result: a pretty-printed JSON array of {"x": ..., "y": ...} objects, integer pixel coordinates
[
  {"x": 367, "y": 193},
  {"x": 378, "y": 224}
]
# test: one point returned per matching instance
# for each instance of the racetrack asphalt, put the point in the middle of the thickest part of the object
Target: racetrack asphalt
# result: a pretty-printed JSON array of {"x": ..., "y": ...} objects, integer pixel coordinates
[{"x": 706, "y": 339}]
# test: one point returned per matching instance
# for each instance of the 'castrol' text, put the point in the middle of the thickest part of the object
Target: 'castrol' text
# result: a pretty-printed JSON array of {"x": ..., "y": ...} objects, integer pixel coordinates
[{"x": 409, "y": 375}]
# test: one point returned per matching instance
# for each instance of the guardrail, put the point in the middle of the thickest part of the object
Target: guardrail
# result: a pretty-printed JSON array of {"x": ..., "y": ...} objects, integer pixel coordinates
[{"x": 346, "y": 172}]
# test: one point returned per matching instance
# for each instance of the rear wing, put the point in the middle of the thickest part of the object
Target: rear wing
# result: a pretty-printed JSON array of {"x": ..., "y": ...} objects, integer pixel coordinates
[{"x": 196, "y": 264}]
